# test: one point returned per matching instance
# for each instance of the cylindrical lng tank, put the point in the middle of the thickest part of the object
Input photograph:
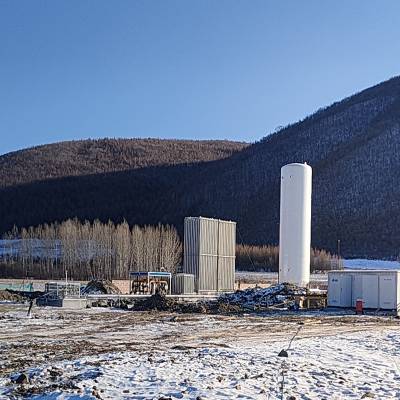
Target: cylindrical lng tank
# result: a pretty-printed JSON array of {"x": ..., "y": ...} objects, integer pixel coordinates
[{"x": 295, "y": 224}]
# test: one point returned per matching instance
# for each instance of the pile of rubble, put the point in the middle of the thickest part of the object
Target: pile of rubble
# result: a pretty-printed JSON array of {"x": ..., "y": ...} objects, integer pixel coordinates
[
  {"x": 282, "y": 296},
  {"x": 156, "y": 302},
  {"x": 277, "y": 296},
  {"x": 8, "y": 295},
  {"x": 159, "y": 302},
  {"x": 98, "y": 286}
]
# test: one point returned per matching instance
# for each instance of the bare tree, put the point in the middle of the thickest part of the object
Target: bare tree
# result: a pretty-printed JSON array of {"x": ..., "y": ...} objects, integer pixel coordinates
[{"x": 91, "y": 250}]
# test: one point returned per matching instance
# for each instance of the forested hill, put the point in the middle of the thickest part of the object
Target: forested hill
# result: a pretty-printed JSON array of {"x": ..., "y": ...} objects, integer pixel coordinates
[
  {"x": 353, "y": 147},
  {"x": 84, "y": 157}
]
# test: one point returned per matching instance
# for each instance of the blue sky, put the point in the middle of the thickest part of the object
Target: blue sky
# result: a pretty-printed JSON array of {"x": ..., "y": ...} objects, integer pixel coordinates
[{"x": 204, "y": 69}]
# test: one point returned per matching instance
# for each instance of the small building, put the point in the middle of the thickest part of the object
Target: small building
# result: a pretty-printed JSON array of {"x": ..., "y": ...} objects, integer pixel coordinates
[
  {"x": 182, "y": 284},
  {"x": 378, "y": 289},
  {"x": 209, "y": 253},
  {"x": 150, "y": 282}
]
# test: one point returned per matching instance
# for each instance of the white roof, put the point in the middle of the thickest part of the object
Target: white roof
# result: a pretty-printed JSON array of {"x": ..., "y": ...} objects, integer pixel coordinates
[{"x": 211, "y": 219}]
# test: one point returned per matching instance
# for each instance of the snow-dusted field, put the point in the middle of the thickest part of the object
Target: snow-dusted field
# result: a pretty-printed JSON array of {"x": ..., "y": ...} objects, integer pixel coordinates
[
  {"x": 272, "y": 277},
  {"x": 371, "y": 264},
  {"x": 113, "y": 354}
]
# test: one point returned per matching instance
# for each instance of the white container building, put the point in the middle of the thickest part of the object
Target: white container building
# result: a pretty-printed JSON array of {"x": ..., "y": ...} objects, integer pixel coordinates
[
  {"x": 376, "y": 288},
  {"x": 295, "y": 224}
]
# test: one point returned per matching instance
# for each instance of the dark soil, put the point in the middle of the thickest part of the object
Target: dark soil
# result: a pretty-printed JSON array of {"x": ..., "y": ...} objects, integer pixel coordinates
[{"x": 7, "y": 295}]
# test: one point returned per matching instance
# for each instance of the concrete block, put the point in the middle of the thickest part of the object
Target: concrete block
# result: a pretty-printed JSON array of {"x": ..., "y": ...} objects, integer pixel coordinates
[{"x": 74, "y": 304}]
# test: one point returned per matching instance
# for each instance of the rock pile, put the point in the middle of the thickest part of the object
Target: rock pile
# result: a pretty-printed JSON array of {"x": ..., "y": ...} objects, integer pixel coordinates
[
  {"x": 100, "y": 287},
  {"x": 281, "y": 295},
  {"x": 254, "y": 299}
]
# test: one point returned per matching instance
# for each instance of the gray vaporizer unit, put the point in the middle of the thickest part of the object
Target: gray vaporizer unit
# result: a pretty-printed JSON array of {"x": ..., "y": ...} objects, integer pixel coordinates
[{"x": 209, "y": 253}]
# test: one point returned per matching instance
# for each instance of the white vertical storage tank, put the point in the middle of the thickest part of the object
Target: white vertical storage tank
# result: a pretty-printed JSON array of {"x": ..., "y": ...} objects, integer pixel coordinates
[{"x": 295, "y": 224}]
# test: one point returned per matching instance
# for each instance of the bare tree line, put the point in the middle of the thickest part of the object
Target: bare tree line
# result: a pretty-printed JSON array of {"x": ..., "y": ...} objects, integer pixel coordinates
[
  {"x": 89, "y": 250},
  {"x": 105, "y": 250},
  {"x": 266, "y": 258}
]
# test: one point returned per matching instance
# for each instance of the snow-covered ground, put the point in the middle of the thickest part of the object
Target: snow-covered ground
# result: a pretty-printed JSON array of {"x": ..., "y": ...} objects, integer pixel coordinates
[
  {"x": 268, "y": 276},
  {"x": 119, "y": 355},
  {"x": 349, "y": 264},
  {"x": 371, "y": 264}
]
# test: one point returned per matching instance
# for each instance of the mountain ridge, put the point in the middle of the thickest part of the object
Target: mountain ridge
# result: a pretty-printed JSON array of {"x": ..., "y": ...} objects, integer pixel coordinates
[
  {"x": 352, "y": 145},
  {"x": 82, "y": 157}
]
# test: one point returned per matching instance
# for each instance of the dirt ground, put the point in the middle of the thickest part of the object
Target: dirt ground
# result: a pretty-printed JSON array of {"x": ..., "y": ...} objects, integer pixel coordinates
[{"x": 53, "y": 334}]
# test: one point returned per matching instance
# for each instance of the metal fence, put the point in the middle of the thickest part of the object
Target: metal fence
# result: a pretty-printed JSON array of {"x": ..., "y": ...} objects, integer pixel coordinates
[{"x": 61, "y": 290}]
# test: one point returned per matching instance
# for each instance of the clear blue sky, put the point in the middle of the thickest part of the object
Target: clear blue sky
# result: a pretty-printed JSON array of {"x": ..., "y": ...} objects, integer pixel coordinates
[{"x": 204, "y": 69}]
